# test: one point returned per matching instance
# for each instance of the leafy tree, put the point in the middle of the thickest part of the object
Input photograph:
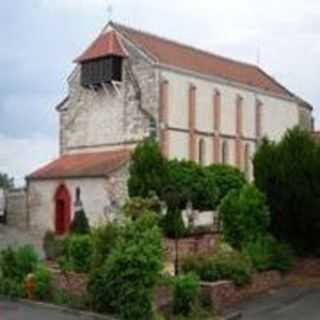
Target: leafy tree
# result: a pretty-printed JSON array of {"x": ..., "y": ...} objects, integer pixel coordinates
[
  {"x": 150, "y": 173},
  {"x": 192, "y": 182},
  {"x": 245, "y": 216},
  {"x": 6, "y": 182},
  {"x": 289, "y": 174},
  {"x": 126, "y": 281},
  {"x": 148, "y": 170},
  {"x": 227, "y": 178},
  {"x": 136, "y": 206}
]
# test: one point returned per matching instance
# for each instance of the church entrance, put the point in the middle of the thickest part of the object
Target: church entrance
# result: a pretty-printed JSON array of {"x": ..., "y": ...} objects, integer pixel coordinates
[{"x": 62, "y": 210}]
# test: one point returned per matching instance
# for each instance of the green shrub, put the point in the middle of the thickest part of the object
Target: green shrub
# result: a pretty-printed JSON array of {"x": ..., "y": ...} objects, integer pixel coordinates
[
  {"x": 268, "y": 254},
  {"x": 125, "y": 282},
  {"x": 53, "y": 246},
  {"x": 173, "y": 225},
  {"x": 261, "y": 252},
  {"x": 80, "y": 223},
  {"x": 134, "y": 207},
  {"x": 17, "y": 264},
  {"x": 11, "y": 288},
  {"x": 222, "y": 266},
  {"x": 283, "y": 257},
  {"x": 26, "y": 259},
  {"x": 8, "y": 264},
  {"x": 148, "y": 170},
  {"x": 192, "y": 182},
  {"x": 80, "y": 252},
  {"x": 288, "y": 172},
  {"x": 104, "y": 239},
  {"x": 227, "y": 179},
  {"x": 186, "y": 294},
  {"x": 233, "y": 266},
  {"x": 202, "y": 266},
  {"x": 43, "y": 280},
  {"x": 245, "y": 216}
]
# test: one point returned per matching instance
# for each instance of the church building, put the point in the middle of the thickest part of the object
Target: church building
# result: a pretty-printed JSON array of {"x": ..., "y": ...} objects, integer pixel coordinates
[{"x": 131, "y": 84}]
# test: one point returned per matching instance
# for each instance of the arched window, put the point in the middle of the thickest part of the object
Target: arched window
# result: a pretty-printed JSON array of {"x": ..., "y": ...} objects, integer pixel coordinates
[
  {"x": 225, "y": 152},
  {"x": 202, "y": 152},
  {"x": 247, "y": 160}
]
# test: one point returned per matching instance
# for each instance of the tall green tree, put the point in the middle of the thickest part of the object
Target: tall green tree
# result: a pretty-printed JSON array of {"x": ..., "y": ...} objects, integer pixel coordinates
[
  {"x": 6, "y": 182},
  {"x": 148, "y": 170},
  {"x": 289, "y": 174}
]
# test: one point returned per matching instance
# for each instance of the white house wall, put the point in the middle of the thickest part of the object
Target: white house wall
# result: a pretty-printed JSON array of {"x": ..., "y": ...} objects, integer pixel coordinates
[{"x": 97, "y": 196}]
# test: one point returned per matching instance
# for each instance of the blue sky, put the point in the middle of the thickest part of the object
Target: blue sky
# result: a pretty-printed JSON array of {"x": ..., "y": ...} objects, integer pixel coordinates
[{"x": 40, "y": 38}]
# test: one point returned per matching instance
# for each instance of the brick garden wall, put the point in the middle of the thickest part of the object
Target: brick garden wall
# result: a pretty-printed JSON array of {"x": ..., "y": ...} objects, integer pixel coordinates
[
  {"x": 192, "y": 245},
  {"x": 225, "y": 294}
]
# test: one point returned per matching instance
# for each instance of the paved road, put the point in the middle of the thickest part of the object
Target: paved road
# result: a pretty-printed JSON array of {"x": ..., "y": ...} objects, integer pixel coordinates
[
  {"x": 22, "y": 311},
  {"x": 284, "y": 304}
]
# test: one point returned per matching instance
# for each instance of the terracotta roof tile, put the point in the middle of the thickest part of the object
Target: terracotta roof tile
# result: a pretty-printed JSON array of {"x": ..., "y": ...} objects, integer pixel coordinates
[
  {"x": 107, "y": 44},
  {"x": 178, "y": 55},
  {"x": 83, "y": 165}
]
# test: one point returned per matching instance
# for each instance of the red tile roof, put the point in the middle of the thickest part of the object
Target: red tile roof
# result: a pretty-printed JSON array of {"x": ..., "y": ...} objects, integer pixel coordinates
[
  {"x": 83, "y": 165},
  {"x": 178, "y": 55},
  {"x": 107, "y": 44}
]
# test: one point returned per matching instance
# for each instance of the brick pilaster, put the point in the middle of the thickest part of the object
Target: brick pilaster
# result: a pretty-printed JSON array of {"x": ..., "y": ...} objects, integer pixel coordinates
[
  {"x": 239, "y": 127},
  {"x": 258, "y": 119},
  {"x": 163, "y": 117},
  {"x": 216, "y": 125},
  {"x": 192, "y": 123}
]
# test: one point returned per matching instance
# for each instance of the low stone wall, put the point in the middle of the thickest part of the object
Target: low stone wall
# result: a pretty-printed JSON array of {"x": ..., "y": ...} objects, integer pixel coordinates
[
  {"x": 225, "y": 294},
  {"x": 309, "y": 267},
  {"x": 204, "y": 244},
  {"x": 16, "y": 207},
  {"x": 73, "y": 283}
]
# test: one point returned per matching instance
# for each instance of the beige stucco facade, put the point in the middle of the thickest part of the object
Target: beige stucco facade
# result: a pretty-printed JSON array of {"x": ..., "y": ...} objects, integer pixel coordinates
[{"x": 277, "y": 115}]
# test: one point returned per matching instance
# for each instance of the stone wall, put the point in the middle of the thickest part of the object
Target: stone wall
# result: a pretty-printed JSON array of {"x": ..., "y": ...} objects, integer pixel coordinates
[
  {"x": 224, "y": 294},
  {"x": 17, "y": 214},
  {"x": 109, "y": 117}
]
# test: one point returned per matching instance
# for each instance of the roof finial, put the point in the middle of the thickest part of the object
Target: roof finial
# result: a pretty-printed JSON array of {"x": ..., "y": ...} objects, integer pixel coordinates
[
  {"x": 110, "y": 10},
  {"x": 258, "y": 56}
]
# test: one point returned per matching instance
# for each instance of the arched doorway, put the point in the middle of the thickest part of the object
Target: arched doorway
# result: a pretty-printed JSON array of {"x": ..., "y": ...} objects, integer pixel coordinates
[{"x": 62, "y": 210}]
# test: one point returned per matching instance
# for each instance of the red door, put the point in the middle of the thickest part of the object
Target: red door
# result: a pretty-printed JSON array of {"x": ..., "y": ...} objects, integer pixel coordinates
[{"x": 62, "y": 210}]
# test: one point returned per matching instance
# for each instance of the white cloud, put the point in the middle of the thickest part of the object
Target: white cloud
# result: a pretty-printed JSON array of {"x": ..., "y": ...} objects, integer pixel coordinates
[
  {"x": 20, "y": 157},
  {"x": 83, "y": 5}
]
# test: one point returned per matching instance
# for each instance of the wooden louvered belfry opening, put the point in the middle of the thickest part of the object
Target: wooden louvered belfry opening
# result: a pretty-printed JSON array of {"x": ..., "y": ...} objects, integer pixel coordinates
[{"x": 101, "y": 71}]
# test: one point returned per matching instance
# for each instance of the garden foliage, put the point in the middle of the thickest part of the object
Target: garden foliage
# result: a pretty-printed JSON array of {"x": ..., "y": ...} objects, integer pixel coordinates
[
  {"x": 104, "y": 238},
  {"x": 204, "y": 186},
  {"x": 221, "y": 266},
  {"x": 124, "y": 284},
  {"x": 288, "y": 172},
  {"x": 245, "y": 216},
  {"x": 80, "y": 223},
  {"x": 186, "y": 294},
  {"x": 80, "y": 252}
]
